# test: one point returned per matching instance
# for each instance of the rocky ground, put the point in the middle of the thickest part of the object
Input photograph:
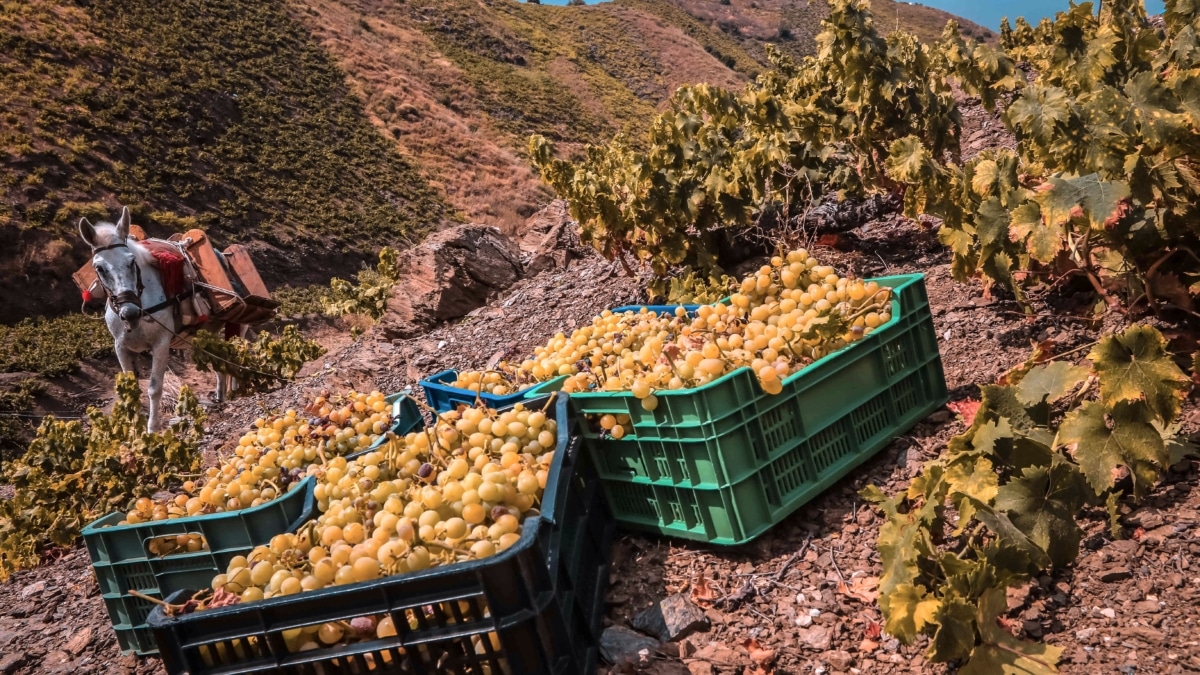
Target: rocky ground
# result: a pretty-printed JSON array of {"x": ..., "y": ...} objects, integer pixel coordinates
[{"x": 799, "y": 599}]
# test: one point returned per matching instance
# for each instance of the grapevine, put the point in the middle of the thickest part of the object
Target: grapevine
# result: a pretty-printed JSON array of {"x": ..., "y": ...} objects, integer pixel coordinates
[
  {"x": 73, "y": 473},
  {"x": 258, "y": 365},
  {"x": 1103, "y": 183},
  {"x": 370, "y": 295},
  {"x": 719, "y": 159},
  {"x": 1002, "y": 503}
]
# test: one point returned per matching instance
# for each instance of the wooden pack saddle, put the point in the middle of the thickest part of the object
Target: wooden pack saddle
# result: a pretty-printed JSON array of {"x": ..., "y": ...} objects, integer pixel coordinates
[{"x": 227, "y": 280}]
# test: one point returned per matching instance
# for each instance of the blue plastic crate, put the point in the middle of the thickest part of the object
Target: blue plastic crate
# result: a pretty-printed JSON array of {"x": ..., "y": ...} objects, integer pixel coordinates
[{"x": 442, "y": 397}]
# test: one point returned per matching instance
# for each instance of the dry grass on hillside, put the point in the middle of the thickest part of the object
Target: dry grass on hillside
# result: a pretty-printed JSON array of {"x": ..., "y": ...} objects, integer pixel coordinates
[
  {"x": 459, "y": 84},
  {"x": 793, "y": 24}
]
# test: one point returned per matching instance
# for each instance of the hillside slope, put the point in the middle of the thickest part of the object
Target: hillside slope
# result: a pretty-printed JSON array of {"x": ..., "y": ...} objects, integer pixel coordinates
[
  {"x": 220, "y": 113},
  {"x": 320, "y": 130},
  {"x": 460, "y": 84},
  {"x": 792, "y": 25}
]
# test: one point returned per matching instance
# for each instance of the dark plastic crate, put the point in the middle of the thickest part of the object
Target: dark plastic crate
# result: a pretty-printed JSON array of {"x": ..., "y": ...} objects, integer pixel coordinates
[
  {"x": 724, "y": 462},
  {"x": 543, "y": 599},
  {"x": 443, "y": 397}
]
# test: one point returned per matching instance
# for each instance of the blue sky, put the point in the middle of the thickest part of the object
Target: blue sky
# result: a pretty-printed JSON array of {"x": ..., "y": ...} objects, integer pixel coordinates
[
  {"x": 988, "y": 14},
  {"x": 983, "y": 12}
]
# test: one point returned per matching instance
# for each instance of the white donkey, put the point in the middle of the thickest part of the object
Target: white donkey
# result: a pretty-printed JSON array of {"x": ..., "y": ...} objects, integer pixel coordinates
[{"x": 139, "y": 314}]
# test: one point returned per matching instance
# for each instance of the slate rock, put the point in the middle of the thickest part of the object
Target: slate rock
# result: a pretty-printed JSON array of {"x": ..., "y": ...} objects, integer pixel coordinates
[
  {"x": 1114, "y": 574},
  {"x": 673, "y": 618},
  {"x": 619, "y": 642},
  {"x": 10, "y": 662},
  {"x": 839, "y": 659},
  {"x": 817, "y": 638}
]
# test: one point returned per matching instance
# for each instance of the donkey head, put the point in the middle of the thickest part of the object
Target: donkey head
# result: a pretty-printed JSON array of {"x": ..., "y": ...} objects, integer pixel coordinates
[{"x": 115, "y": 264}]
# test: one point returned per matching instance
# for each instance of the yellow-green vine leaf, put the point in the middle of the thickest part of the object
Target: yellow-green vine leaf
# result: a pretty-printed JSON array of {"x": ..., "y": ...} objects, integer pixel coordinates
[
  {"x": 973, "y": 477},
  {"x": 907, "y": 610},
  {"x": 1099, "y": 448},
  {"x": 955, "y": 636},
  {"x": 1042, "y": 240},
  {"x": 999, "y": 653},
  {"x": 1051, "y": 381},
  {"x": 1135, "y": 366}
]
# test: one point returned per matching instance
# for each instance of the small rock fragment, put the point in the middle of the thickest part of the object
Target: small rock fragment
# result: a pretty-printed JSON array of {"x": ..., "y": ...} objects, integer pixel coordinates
[
  {"x": 1108, "y": 613},
  {"x": 839, "y": 659},
  {"x": 1084, "y": 634},
  {"x": 619, "y": 642},
  {"x": 673, "y": 618},
  {"x": 1114, "y": 574},
  {"x": 33, "y": 589},
  {"x": 9, "y": 662},
  {"x": 817, "y": 638}
]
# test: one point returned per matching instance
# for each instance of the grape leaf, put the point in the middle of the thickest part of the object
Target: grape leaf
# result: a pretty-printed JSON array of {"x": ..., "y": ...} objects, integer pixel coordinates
[
  {"x": 972, "y": 477},
  {"x": 1039, "y": 110},
  {"x": 1052, "y": 381},
  {"x": 955, "y": 636},
  {"x": 1179, "y": 448},
  {"x": 1043, "y": 241},
  {"x": 991, "y": 222},
  {"x": 1153, "y": 104},
  {"x": 1042, "y": 502},
  {"x": 898, "y": 547},
  {"x": 956, "y": 240},
  {"x": 998, "y": 401},
  {"x": 986, "y": 173},
  {"x": 1099, "y": 450},
  {"x": 1002, "y": 654},
  {"x": 1098, "y": 198},
  {"x": 1000, "y": 525},
  {"x": 1134, "y": 366},
  {"x": 907, "y": 609}
]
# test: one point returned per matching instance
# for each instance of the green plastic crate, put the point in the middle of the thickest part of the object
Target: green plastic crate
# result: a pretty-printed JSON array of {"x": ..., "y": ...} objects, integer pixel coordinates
[
  {"x": 121, "y": 562},
  {"x": 133, "y": 635},
  {"x": 724, "y": 462}
]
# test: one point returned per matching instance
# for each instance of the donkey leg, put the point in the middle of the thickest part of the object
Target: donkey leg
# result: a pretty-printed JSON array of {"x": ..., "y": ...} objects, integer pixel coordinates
[
  {"x": 222, "y": 387},
  {"x": 158, "y": 370},
  {"x": 128, "y": 360}
]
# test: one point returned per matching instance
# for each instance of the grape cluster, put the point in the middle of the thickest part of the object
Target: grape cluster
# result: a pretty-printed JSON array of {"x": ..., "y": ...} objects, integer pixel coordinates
[
  {"x": 783, "y": 317},
  {"x": 270, "y": 459},
  {"x": 460, "y": 490}
]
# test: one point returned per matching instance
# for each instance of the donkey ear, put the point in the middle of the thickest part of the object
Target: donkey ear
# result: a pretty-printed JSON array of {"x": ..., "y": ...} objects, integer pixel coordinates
[
  {"x": 123, "y": 224},
  {"x": 87, "y": 232}
]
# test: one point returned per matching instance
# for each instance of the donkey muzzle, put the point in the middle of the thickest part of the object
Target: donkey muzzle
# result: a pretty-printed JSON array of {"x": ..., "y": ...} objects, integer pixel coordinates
[{"x": 129, "y": 306}]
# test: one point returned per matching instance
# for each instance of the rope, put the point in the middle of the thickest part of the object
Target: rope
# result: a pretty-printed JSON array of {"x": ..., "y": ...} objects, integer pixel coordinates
[{"x": 223, "y": 291}]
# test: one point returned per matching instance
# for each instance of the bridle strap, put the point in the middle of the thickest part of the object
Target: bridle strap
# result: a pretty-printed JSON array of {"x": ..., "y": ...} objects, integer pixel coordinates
[{"x": 126, "y": 298}]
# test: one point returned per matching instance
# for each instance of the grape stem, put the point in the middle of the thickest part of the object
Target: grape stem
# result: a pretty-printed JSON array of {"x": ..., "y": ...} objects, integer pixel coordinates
[{"x": 448, "y": 547}]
